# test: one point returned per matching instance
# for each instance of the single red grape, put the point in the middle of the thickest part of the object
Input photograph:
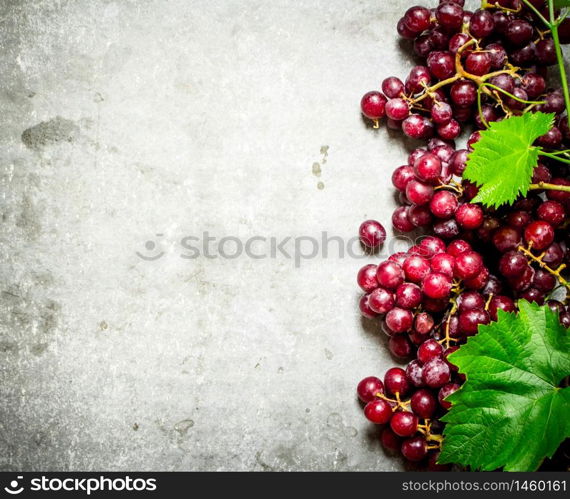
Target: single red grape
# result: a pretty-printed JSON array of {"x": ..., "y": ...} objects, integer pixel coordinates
[{"x": 368, "y": 388}]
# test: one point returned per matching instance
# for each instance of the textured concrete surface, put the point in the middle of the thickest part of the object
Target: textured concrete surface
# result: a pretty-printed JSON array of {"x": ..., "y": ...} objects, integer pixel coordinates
[{"x": 122, "y": 120}]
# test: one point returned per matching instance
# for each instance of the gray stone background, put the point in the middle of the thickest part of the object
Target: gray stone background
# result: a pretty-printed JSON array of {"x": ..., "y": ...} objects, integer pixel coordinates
[{"x": 126, "y": 119}]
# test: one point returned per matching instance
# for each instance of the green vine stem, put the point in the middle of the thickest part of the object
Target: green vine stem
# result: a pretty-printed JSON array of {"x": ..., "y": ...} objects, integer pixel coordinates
[
  {"x": 560, "y": 58},
  {"x": 554, "y": 156},
  {"x": 480, "y": 109},
  {"x": 558, "y": 153},
  {"x": 552, "y": 24},
  {"x": 544, "y": 186},
  {"x": 514, "y": 97},
  {"x": 484, "y": 85},
  {"x": 537, "y": 13}
]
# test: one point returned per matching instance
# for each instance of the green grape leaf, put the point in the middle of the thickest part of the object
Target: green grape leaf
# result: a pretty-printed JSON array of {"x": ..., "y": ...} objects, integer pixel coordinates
[
  {"x": 511, "y": 412},
  {"x": 561, "y": 3},
  {"x": 502, "y": 160}
]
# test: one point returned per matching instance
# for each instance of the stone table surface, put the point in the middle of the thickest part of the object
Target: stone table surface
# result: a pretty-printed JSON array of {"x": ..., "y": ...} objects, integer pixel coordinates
[{"x": 131, "y": 130}]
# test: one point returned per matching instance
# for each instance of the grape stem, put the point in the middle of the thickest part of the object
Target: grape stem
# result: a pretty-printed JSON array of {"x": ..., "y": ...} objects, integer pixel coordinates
[
  {"x": 481, "y": 89},
  {"x": 539, "y": 259},
  {"x": 436, "y": 438},
  {"x": 453, "y": 185},
  {"x": 425, "y": 429},
  {"x": 541, "y": 35},
  {"x": 461, "y": 73},
  {"x": 480, "y": 80},
  {"x": 552, "y": 24},
  {"x": 448, "y": 339},
  {"x": 399, "y": 404},
  {"x": 557, "y": 153},
  {"x": 549, "y": 187},
  {"x": 480, "y": 108},
  {"x": 508, "y": 94},
  {"x": 435, "y": 87},
  {"x": 556, "y": 157},
  {"x": 496, "y": 5},
  {"x": 536, "y": 12}
]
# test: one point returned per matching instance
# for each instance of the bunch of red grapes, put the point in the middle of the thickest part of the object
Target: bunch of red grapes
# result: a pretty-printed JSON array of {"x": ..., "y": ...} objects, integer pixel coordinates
[{"x": 472, "y": 260}]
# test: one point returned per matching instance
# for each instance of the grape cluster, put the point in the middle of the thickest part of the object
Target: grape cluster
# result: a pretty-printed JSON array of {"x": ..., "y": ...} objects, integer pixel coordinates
[
  {"x": 432, "y": 283},
  {"x": 471, "y": 71},
  {"x": 532, "y": 245},
  {"x": 471, "y": 261},
  {"x": 430, "y": 298},
  {"x": 406, "y": 410},
  {"x": 430, "y": 194}
]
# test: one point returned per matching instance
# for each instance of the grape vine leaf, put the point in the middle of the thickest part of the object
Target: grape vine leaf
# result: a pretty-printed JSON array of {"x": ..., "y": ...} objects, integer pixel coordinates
[
  {"x": 511, "y": 412},
  {"x": 502, "y": 161},
  {"x": 562, "y": 3}
]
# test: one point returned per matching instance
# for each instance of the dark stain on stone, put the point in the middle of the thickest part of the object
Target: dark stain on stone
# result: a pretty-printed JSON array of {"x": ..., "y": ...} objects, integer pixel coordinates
[
  {"x": 287, "y": 457},
  {"x": 49, "y": 133},
  {"x": 325, "y": 153},
  {"x": 43, "y": 278},
  {"x": 39, "y": 438},
  {"x": 317, "y": 169},
  {"x": 262, "y": 463},
  {"x": 183, "y": 426},
  {"x": 47, "y": 317},
  {"x": 136, "y": 427},
  {"x": 8, "y": 346},
  {"x": 39, "y": 348},
  {"x": 28, "y": 218},
  {"x": 29, "y": 318}
]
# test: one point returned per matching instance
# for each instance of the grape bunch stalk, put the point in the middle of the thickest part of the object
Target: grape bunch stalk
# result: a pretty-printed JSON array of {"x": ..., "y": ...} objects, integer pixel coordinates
[{"x": 471, "y": 260}]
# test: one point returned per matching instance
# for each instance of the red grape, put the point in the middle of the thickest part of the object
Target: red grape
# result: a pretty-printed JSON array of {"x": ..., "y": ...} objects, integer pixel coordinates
[
  {"x": 436, "y": 373},
  {"x": 378, "y": 411},
  {"x": 414, "y": 449},
  {"x": 373, "y": 105},
  {"x": 389, "y": 275},
  {"x": 381, "y": 301},
  {"x": 368, "y": 388},
  {"x": 372, "y": 233},
  {"x": 395, "y": 381},
  {"x": 446, "y": 391},
  {"x": 437, "y": 286},
  {"x": 540, "y": 234},
  {"x": 366, "y": 278},
  {"x": 404, "y": 423}
]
